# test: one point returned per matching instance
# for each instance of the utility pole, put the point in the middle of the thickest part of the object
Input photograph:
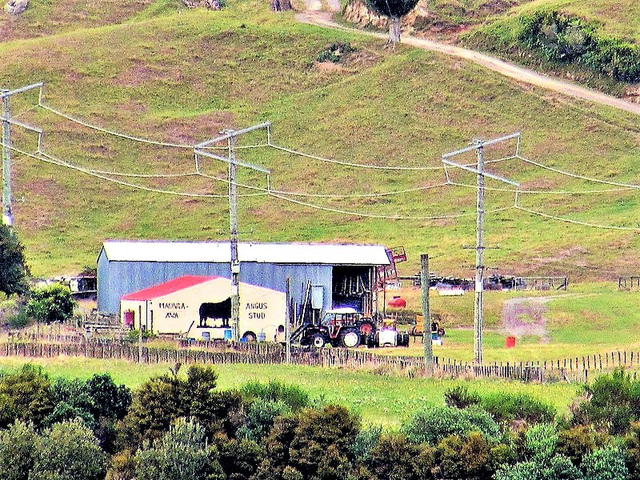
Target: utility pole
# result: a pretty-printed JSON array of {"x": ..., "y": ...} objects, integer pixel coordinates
[
  {"x": 202, "y": 150},
  {"x": 7, "y": 215},
  {"x": 426, "y": 314},
  {"x": 5, "y": 95},
  {"x": 287, "y": 321},
  {"x": 233, "y": 223},
  {"x": 478, "y": 310}
]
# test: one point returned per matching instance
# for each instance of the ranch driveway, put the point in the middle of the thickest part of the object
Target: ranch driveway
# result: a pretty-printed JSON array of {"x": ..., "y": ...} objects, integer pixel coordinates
[{"x": 315, "y": 15}]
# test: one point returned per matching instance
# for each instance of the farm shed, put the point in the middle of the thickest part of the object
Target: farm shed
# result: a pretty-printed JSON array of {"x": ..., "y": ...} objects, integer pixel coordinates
[
  {"x": 177, "y": 307},
  {"x": 340, "y": 275}
]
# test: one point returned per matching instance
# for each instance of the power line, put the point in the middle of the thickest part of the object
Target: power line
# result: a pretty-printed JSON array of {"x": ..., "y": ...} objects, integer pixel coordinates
[
  {"x": 384, "y": 217},
  {"x": 111, "y": 132},
  {"x": 546, "y": 192},
  {"x": 576, "y": 222},
  {"x": 43, "y": 157},
  {"x": 575, "y": 175}
]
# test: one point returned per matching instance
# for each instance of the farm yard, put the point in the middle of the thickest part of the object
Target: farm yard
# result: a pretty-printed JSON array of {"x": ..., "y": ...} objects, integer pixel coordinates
[{"x": 213, "y": 213}]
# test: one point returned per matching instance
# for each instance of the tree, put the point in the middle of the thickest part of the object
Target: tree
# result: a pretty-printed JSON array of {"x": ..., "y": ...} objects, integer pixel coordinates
[
  {"x": 69, "y": 451},
  {"x": 51, "y": 304},
  {"x": 181, "y": 454},
  {"x": 394, "y": 10},
  {"x": 13, "y": 267},
  {"x": 26, "y": 395},
  {"x": 17, "y": 450}
]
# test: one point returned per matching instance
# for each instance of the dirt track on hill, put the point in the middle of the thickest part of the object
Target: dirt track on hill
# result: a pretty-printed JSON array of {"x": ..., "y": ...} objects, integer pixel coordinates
[{"x": 316, "y": 16}]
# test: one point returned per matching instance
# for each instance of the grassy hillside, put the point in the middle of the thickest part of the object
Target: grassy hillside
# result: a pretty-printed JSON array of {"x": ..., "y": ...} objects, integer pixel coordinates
[
  {"x": 184, "y": 77},
  {"x": 583, "y": 53},
  {"x": 47, "y": 17}
]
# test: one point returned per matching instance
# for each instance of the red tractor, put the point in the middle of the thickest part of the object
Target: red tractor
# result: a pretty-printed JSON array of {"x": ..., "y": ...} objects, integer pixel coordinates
[{"x": 342, "y": 327}]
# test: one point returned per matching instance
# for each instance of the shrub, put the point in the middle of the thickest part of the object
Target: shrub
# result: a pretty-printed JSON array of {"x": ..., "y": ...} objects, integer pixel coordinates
[
  {"x": 25, "y": 395},
  {"x": 507, "y": 407},
  {"x": 541, "y": 442},
  {"x": 576, "y": 442},
  {"x": 464, "y": 457},
  {"x": 435, "y": 423},
  {"x": 239, "y": 458},
  {"x": 313, "y": 444},
  {"x": 181, "y": 454},
  {"x": 394, "y": 458},
  {"x": 51, "y": 304},
  {"x": 13, "y": 268},
  {"x": 69, "y": 451},
  {"x": 611, "y": 403},
  {"x": 274, "y": 391},
  {"x": 17, "y": 449},
  {"x": 365, "y": 440},
  {"x": 564, "y": 38},
  {"x": 605, "y": 464},
  {"x": 335, "y": 52},
  {"x": 260, "y": 419},
  {"x": 459, "y": 397}
]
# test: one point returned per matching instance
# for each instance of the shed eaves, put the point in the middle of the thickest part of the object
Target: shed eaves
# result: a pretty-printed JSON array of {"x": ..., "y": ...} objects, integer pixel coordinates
[
  {"x": 166, "y": 288},
  {"x": 220, "y": 252}
]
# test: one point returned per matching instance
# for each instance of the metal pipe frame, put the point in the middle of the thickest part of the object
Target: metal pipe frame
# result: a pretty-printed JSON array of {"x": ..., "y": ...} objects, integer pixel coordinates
[
  {"x": 475, "y": 146},
  {"x": 476, "y": 171},
  {"x": 233, "y": 161},
  {"x": 234, "y": 133},
  {"x": 8, "y": 93}
]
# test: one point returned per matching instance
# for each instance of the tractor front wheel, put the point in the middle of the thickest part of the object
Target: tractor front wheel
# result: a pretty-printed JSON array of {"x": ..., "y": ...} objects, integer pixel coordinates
[
  {"x": 349, "y": 338},
  {"x": 318, "y": 340}
]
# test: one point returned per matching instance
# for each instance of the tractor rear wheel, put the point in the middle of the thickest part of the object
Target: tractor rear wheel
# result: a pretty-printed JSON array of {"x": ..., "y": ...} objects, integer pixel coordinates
[
  {"x": 367, "y": 328},
  {"x": 349, "y": 337}
]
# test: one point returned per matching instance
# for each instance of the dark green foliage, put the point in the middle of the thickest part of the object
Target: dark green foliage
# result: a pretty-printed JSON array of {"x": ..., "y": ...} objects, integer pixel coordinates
[
  {"x": 17, "y": 450},
  {"x": 471, "y": 456},
  {"x": 392, "y": 8},
  {"x": 459, "y": 397},
  {"x": 25, "y": 395},
  {"x": 605, "y": 464},
  {"x": 109, "y": 400},
  {"x": 13, "y": 267},
  {"x": 335, "y": 52},
  {"x": 181, "y": 454},
  {"x": 240, "y": 459},
  {"x": 68, "y": 451},
  {"x": 161, "y": 400},
  {"x": 312, "y": 445},
  {"x": 365, "y": 440},
  {"x": 260, "y": 417},
  {"x": 565, "y": 38},
  {"x": 19, "y": 319},
  {"x": 631, "y": 443},
  {"x": 274, "y": 391},
  {"x": 395, "y": 458},
  {"x": 51, "y": 304},
  {"x": 576, "y": 442},
  {"x": 612, "y": 403},
  {"x": 507, "y": 407},
  {"x": 433, "y": 424}
]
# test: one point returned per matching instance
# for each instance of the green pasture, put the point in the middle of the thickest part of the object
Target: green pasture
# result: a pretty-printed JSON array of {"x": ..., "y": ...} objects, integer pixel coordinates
[
  {"x": 183, "y": 77},
  {"x": 385, "y": 399}
]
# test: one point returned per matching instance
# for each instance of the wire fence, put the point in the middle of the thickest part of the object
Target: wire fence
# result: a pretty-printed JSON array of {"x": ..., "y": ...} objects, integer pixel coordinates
[{"x": 575, "y": 369}]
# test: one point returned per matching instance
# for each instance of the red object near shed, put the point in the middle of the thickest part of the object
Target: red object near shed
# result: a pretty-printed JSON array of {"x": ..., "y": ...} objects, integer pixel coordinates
[{"x": 397, "y": 302}]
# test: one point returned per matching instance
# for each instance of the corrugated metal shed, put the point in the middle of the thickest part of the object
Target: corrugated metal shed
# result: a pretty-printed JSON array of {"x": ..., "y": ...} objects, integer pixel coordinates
[
  {"x": 220, "y": 252},
  {"x": 129, "y": 266}
]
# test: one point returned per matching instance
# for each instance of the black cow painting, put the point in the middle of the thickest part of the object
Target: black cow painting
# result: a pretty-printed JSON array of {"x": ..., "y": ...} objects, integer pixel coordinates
[{"x": 220, "y": 310}]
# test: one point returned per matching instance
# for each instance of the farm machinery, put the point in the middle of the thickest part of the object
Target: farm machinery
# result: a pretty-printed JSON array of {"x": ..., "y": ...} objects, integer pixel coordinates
[{"x": 345, "y": 327}]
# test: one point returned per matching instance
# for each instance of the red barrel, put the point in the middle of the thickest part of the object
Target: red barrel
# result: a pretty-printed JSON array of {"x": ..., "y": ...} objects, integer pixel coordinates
[
  {"x": 510, "y": 342},
  {"x": 397, "y": 302}
]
